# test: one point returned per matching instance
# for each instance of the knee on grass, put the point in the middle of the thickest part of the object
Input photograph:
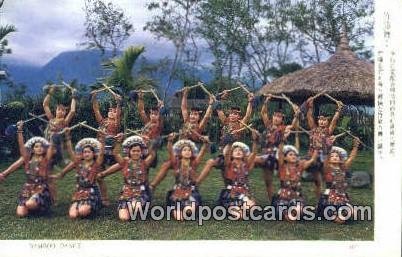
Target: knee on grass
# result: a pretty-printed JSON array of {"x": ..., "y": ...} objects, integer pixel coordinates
[{"x": 22, "y": 211}]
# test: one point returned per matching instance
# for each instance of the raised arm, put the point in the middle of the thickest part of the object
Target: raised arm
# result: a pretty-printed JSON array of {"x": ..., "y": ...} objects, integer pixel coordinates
[
  {"x": 95, "y": 107},
  {"x": 249, "y": 110},
  {"x": 335, "y": 118},
  {"x": 117, "y": 150},
  {"x": 20, "y": 138},
  {"x": 118, "y": 109},
  {"x": 313, "y": 158},
  {"x": 295, "y": 121},
  {"x": 221, "y": 116},
  {"x": 203, "y": 150},
  {"x": 46, "y": 103},
  {"x": 264, "y": 111},
  {"x": 253, "y": 154},
  {"x": 150, "y": 158},
  {"x": 207, "y": 115},
  {"x": 172, "y": 157},
  {"x": 227, "y": 154},
  {"x": 163, "y": 170},
  {"x": 184, "y": 110},
  {"x": 353, "y": 153},
  {"x": 69, "y": 145},
  {"x": 141, "y": 107},
  {"x": 73, "y": 109},
  {"x": 310, "y": 116},
  {"x": 99, "y": 159},
  {"x": 280, "y": 154}
]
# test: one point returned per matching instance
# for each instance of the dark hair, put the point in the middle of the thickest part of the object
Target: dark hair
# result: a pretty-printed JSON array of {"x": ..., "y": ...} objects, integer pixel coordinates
[
  {"x": 195, "y": 109},
  {"x": 154, "y": 109},
  {"x": 92, "y": 149},
  {"x": 235, "y": 108}
]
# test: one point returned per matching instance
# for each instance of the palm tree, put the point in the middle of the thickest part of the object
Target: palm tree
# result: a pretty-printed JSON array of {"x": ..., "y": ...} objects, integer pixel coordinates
[{"x": 4, "y": 31}]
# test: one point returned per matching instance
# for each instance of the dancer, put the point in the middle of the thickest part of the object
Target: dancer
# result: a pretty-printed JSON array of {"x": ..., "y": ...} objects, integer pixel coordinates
[
  {"x": 86, "y": 160},
  {"x": 109, "y": 126},
  {"x": 336, "y": 167},
  {"x": 153, "y": 123},
  {"x": 37, "y": 153},
  {"x": 272, "y": 136},
  {"x": 321, "y": 139},
  {"x": 238, "y": 162},
  {"x": 233, "y": 127},
  {"x": 135, "y": 193},
  {"x": 290, "y": 171},
  {"x": 184, "y": 159}
]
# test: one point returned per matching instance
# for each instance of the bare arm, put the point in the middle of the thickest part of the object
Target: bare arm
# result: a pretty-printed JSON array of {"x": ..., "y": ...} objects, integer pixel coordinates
[
  {"x": 73, "y": 109},
  {"x": 118, "y": 110},
  {"x": 207, "y": 115},
  {"x": 141, "y": 108},
  {"x": 170, "y": 149},
  {"x": 69, "y": 145},
  {"x": 280, "y": 155},
  {"x": 253, "y": 154},
  {"x": 202, "y": 152},
  {"x": 249, "y": 110},
  {"x": 20, "y": 138},
  {"x": 335, "y": 119},
  {"x": 308, "y": 163},
  {"x": 111, "y": 170},
  {"x": 99, "y": 159},
  {"x": 163, "y": 170},
  {"x": 117, "y": 150},
  {"x": 150, "y": 158},
  {"x": 353, "y": 153},
  {"x": 310, "y": 117},
  {"x": 184, "y": 110},
  {"x": 227, "y": 157},
  {"x": 66, "y": 169},
  {"x": 221, "y": 116},
  {"x": 13, "y": 167},
  {"x": 264, "y": 112},
  {"x": 46, "y": 104},
  {"x": 95, "y": 107}
]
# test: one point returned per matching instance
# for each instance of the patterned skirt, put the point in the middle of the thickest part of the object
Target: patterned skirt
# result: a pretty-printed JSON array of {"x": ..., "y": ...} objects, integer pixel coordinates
[
  {"x": 288, "y": 197},
  {"x": 140, "y": 193},
  {"x": 184, "y": 195},
  {"x": 88, "y": 195},
  {"x": 332, "y": 198},
  {"x": 39, "y": 191},
  {"x": 234, "y": 196}
]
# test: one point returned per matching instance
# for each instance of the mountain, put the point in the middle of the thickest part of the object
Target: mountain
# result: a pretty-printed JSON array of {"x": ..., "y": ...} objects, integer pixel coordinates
[{"x": 84, "y": 65}]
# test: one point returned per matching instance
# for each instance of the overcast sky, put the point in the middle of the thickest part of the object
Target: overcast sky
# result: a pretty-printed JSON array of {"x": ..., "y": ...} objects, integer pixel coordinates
[{"x": 49, "y": 27}]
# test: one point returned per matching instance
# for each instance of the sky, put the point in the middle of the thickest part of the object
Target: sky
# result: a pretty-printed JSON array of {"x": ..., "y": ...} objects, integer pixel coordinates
[{"x": 49, "y": 27}]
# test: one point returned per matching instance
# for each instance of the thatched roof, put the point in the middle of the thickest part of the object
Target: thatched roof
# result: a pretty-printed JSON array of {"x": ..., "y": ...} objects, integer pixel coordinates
[{"x": 343, "y": 75}]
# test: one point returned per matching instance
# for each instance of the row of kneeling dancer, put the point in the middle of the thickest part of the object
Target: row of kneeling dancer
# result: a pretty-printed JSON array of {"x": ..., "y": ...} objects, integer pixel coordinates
[{"x": 93, "y": 159}]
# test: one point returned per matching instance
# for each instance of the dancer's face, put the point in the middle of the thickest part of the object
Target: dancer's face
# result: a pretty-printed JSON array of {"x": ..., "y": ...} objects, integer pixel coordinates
[
  {"x": 135, "y": 152},
  {"x": 194, "y": 117},
  {"x": 186, "y": 152},
  {"x": 323, "y": 122},
  {"x": 277, "y": 118},
  {"x": 112, "y": 113},
  {"x": 60, "y": 111},
  {"x": 38, "y": 149},
  {"x": 291, "y": 157},
  {"x": 88, "y": 154},
  {"x": 334, "y": 157},
  {"x": 154, "y": 116},
  {"x": 234, "y": 116},
  {"x": 237, "y": 153}
]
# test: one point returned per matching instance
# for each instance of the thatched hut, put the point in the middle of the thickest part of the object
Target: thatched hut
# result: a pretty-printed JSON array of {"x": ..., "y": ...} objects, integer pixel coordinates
[{"x": 343, "y": 75}]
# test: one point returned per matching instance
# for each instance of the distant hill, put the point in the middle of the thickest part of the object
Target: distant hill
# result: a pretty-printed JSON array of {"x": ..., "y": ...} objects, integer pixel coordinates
[{"x": 84, "y": 65}]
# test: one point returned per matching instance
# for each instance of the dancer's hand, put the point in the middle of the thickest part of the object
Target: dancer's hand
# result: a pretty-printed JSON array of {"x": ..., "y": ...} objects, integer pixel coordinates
[
  {"x": 310, "y": 101},
  {"x": 356, "y": 142},
  {"x": 268, "y": 98},
  {"x": 20, "y": 125},
  {"x": 52, "y": 88},
  {"x": 211, "y": 100},
  {"x": 119, "y": 137},
  {"x": 140, "y": 94},
  {"x": 250, "y": 97},
  {"x": 172, "y": 136}
]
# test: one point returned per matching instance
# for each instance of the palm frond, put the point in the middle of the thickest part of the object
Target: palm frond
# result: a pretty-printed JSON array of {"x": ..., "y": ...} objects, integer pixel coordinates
[{"x": 5, "y": 30}]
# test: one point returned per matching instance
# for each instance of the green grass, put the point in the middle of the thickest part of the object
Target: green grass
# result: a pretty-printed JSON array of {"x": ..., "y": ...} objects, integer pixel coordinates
[{"x": 107, "y": 226}]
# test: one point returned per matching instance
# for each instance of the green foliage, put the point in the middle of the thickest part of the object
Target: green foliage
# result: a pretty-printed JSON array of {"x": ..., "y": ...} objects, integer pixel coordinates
[{"x": 107, "y": 27}]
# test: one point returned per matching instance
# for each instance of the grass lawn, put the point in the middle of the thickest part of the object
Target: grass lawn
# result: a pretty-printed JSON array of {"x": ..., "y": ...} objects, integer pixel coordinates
[{"x": 107, "y": 226}]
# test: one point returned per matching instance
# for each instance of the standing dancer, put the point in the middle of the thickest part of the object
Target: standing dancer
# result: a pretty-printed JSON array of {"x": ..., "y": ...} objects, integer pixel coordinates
[
  {"x": 87, "y": 161},
  {"x": 37, "y": 154},
  {"x": 192, "y": 126},
  {"x": 321, "y": 139},
  {"x": 232, "y": 130},
  {"x": 271, "y": 138},
  {"x": 184, "y": 159},
  {"x": 135, "y": 193},
  {"x": 336, "y": 167},
  {"x": 290, "y": 171},
  {"x": 109, "y": 127}
]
